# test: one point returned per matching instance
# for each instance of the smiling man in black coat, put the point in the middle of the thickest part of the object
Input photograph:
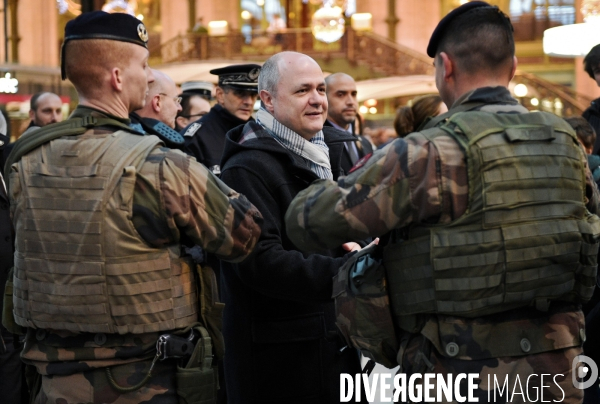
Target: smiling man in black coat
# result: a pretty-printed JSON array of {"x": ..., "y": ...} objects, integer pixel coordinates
[{"x": 279, "y": 326}]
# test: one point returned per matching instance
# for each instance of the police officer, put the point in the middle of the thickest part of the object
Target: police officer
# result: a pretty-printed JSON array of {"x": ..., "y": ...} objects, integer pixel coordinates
[
  {"x": 236, "y": 94},
  {"x": 99, "y": 211},
  {"x": 493, "y": 238},
  {"x": 195, "y": 102},
  {"x": 158, "y": 115}
]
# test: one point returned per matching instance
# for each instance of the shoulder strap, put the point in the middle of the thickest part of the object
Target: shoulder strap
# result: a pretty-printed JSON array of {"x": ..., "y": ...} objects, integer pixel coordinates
[
  {"x": 435, "y": 121},
  {"x": 535, "y": 126},
  {"x": 75, "y": 126}
]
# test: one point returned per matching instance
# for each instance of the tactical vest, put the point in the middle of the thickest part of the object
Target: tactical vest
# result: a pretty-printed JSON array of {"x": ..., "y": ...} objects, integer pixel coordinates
[
  {"x": 526, "y": 237},
  {"x": 80, "y": 264}
]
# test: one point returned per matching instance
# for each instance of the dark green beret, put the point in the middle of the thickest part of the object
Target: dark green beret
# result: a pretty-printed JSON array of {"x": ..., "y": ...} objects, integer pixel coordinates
[
  {"x": 241, "y": 77},
  {"x": 438, "y": 32},
  {"x": 100, "y": 25}
]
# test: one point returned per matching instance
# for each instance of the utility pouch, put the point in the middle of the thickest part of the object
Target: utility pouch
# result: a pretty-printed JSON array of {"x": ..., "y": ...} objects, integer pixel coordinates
[
  {"x": 8, "y": 320},
  {"x": 362, "y": 306},
  {"x": 197, "y": 382},
  {"x": 211, "y": 309}
]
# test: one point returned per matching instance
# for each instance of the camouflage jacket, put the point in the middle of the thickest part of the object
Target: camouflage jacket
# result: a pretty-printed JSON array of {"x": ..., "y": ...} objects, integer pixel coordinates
[
  {"x": 174, "y": 199},
  {"x": 412, "y": 181}
]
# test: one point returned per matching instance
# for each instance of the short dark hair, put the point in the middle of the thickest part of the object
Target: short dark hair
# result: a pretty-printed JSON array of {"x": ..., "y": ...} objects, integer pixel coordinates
[
  {"x": 480, "y": 39},
  {"x": 185, "y": 104},
  {"x": 592, "y": 60},
  {"x": 34, "y": 100},
  {"x": 585, "y": 132},
  {"x": 410, "y": 118}
]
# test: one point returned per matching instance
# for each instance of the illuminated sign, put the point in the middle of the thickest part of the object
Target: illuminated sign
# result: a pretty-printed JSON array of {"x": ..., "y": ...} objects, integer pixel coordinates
[{"x": 8, "y": 84}]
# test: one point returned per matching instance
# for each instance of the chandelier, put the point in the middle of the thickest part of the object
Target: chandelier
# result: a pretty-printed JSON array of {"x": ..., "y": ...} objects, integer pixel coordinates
[
  {"x": 113, "y": 6},
  {"x": 328, "y": 24},
  {"x": 575, "y": 39}
]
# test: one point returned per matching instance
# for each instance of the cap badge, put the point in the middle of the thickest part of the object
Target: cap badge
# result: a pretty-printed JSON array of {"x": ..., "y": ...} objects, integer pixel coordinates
[
  {"x": 142, "y": 33},
  {"x": 254, "y": 73}
]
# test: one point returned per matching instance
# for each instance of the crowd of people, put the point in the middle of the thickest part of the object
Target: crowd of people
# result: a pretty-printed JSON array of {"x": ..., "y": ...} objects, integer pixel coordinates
[{"x": 166, "y": 245}]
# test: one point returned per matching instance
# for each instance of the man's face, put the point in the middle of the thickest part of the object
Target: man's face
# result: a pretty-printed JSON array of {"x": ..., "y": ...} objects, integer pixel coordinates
[
  {"x": 238, "y": 102},
  {"x": 136, "y": 77},
  {"x": 199, "y": 107},
  {"x": 169, "y": 105},
  {"x": 49, "y": 110},
  {"x": 341, "y": 97},
  {"x": 300, "y": 102},
  {"x": 597, "y": 75}
]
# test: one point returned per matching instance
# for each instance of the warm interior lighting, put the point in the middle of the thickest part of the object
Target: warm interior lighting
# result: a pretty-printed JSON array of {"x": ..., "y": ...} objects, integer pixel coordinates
[
  {"x": 328, "y": 24},
  {"x": 217, "y": 28},
  {"x": 576, "y": 39},
  {"x": 372, "y": 110},
  {"x": 521, "y": 90},
  {"x": 535, "y": 102},
  {"x": 361, "y": 21},
  {"x": 246, "y": 15},
  {"x": 363, "y": 109},
  {"x": 371, "y": 102}
]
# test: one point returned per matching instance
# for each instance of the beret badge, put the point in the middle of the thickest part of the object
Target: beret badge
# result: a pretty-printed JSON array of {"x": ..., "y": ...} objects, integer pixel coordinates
[{"x": 142, "y": 33}]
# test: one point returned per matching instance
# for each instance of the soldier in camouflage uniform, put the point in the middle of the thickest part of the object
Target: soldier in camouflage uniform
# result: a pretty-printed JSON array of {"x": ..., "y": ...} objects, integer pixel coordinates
[
  {"x": 490, "y": 211},
  {"x": 100, "y": 215}
]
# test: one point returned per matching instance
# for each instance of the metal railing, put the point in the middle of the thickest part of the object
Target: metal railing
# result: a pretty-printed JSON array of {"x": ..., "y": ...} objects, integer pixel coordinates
[{"x": 381, "y": 55}]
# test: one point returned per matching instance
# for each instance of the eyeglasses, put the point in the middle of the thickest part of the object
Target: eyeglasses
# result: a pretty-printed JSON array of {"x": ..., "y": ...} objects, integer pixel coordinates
[
  {"x": 201, "y": 114},
  {"x": 177, "y": 100}
]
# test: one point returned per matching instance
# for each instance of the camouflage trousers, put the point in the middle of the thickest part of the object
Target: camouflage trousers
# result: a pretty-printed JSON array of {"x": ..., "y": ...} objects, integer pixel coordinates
[
  {"x": 520, "y": 379},
  {"x": 93, "y": 386}
]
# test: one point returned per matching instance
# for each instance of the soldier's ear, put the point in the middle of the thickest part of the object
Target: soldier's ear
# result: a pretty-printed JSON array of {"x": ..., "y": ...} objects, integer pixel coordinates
[
  {"x": 267, "y": 100},
  {"x": 116, "y": 79}
]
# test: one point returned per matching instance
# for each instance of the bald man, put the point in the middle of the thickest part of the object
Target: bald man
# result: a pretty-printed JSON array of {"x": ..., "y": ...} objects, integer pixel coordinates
[
  {"x": 45, "y": 108},
  {"x": 157, "y": 117},
  {"x": 279, "y": 325},
  {"x": 343, "y": 107}
]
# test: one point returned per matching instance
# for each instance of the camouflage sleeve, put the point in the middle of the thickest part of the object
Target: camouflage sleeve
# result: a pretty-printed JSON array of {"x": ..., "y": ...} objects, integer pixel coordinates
[
  {"x": 411, "y": 180},
  {"x": 591, "y": 190},
  {"x": 175, "y": 194}
]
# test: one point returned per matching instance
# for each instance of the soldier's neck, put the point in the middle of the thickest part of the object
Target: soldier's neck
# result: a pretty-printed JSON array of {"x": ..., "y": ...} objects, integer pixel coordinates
[{"x": 116, "y": 108}]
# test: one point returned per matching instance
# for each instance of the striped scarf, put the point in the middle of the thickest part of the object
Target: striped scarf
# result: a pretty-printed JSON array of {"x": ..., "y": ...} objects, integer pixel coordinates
[{"x": 314, "y": 151}]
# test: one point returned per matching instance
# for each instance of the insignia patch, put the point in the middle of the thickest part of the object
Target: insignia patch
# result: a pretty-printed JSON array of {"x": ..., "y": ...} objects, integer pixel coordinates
[
  {"x": 360, "y": 163},
  {"x": 254, "y": 73},
  {"x": 191, "y": 131},
  {"x": 142, "y": 33}
]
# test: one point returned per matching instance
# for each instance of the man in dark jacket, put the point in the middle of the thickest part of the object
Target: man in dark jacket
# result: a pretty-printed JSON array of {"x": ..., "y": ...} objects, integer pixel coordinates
[
  {"x": 591, "y": 64},
  {"x": 235, "y": 94},
  {"x": 343, "y": 107},
  {"x": 279, "y": 317}
]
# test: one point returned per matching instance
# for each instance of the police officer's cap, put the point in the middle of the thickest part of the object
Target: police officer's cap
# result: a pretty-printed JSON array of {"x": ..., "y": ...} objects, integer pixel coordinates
[
  {"x": 101, "y": 25},
  {"x": 438, "y": 32},
  {"x": 202, "y": 88},
  {"x": 240, "y": 77}
]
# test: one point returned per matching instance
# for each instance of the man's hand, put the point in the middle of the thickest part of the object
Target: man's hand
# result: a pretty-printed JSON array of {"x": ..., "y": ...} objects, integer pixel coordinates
[{"x": 352, "y": 246}]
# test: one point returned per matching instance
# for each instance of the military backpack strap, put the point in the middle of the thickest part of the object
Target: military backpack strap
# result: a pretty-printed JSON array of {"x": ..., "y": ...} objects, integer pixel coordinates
[
  {"x": 8, "y": 320},
  {"x": 71, "y": 127},
  {"x": 432, "y": 122}
]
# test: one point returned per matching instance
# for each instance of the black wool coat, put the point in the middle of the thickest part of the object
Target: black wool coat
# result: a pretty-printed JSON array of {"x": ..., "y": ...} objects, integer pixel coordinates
[
  {"x": 207, "y": 141},
  {"x": 280, "y": 336}
]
